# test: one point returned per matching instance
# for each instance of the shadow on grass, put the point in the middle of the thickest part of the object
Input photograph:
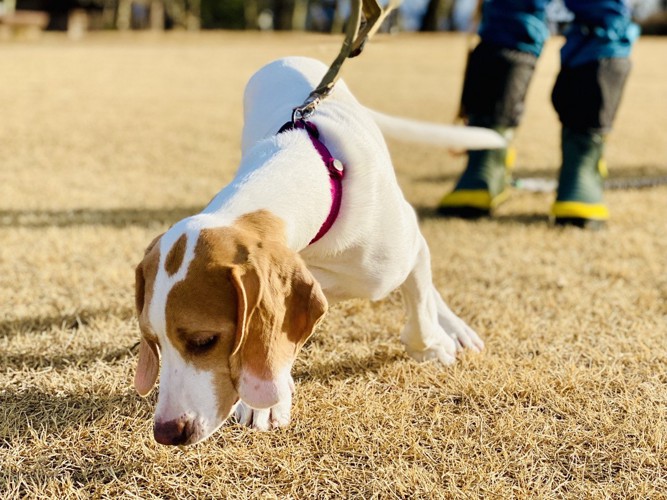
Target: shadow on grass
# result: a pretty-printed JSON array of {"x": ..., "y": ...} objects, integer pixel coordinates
[
  {"x": 28, "y": 410},
  {"x": 17, "y": 326},
  {"x": 437, "y": 178},
  {"x": 347, "y": 366},
  {"x": 70, "y": 324},
  {"x": 61, "y": 361},
  {"x": 619, "y": 175},
  {"x": 114, "y": 217},
  {"x": 431, "y": 213},
  {"x": 523, "y": 219}
]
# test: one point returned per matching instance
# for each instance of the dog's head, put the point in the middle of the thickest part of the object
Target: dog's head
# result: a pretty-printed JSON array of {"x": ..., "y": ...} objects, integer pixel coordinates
[{"x": 224, "y": 311}]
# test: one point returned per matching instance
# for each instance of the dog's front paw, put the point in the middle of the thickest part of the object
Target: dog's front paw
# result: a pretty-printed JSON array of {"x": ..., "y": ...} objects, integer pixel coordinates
[
  {"x": 264, "y": 420},
  {"x": 444, "y": 351}
]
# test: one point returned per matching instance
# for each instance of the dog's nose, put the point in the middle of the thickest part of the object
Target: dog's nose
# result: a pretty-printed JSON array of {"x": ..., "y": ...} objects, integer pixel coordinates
[{"x": 174, "y": 432}]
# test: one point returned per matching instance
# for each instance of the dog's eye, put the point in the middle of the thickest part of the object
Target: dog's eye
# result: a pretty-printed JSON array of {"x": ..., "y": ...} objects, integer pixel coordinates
[{"x": 203, "y": 342}]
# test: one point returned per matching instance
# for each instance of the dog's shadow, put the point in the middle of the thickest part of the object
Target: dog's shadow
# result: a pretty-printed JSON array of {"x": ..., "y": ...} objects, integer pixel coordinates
[{"x": 70, "y": 324}]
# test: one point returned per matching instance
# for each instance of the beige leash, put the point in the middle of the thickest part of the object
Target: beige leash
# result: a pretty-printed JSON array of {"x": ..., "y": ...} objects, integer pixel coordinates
[{"x": 356, "y": 35}]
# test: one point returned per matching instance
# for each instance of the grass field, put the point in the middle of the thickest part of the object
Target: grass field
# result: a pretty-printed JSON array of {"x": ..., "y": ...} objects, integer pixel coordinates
[{"x": 105, "y": 143}]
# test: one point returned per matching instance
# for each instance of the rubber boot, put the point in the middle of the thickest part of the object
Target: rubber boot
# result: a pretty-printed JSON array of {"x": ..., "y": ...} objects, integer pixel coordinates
[
  {"x": 483, "y": 185},
  {"x": 579, "y": 200},
  {"x": 494, "y": 90},
  {"x": 586, "y": 98}
]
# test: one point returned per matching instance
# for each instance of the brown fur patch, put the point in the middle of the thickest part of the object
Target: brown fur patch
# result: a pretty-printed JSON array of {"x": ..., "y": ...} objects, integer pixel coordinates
[
  {"x": 175, "y": 256},
  {"x": 262, "y": 224},
  {"x": 284, "y": 301}
]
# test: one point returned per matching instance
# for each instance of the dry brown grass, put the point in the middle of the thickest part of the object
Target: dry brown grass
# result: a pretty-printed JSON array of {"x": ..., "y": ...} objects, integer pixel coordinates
[{"x": 107, "y": 142}]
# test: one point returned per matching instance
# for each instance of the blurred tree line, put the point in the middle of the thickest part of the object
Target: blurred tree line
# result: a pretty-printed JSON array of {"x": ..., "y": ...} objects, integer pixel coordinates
[
  {"x": 315, "y": 15},
  {"x": 427, "y": 15},
  {"x": 223, "y": 14},
  {"x": 279, "y": 15}
]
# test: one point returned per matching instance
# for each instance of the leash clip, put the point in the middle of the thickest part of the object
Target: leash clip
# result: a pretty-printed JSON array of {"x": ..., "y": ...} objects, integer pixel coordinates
[
  {"x": 313, "y": 100},
  {"x": 303, "y": 112}
]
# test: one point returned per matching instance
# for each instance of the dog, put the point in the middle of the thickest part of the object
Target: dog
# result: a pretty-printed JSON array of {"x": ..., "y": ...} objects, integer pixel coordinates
[{"x": 226, "y": 298}]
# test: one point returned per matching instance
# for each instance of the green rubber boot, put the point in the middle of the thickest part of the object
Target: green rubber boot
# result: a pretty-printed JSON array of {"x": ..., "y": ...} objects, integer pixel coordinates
[
  {"x": 580, "y": 185},
  {"x": 483, "y": 185}
]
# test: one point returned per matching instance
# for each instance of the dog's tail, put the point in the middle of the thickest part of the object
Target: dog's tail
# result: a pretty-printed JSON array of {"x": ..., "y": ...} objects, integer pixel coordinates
[{"x": 447, "y": 136}]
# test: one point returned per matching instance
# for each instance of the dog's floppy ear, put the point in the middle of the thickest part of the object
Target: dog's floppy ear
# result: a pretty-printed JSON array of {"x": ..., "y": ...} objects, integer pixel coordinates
[
  {"x": 139, "y": 288},
  {"x": 148, "y": 367},
  {"x": 279, "y": 305},
  {"x": 148, "y": 364},
  {"x": 248, "y": 291},
  {"x": 307, "y": 305}
]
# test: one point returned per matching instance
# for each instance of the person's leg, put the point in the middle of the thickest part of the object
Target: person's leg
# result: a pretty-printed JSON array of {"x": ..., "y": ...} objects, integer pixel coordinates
[
  {"x": 594, "y": 68},
  {"x": 499, "y": 71}
]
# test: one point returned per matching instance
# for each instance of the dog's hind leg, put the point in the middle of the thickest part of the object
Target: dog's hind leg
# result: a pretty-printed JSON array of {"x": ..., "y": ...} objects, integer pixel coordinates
[{"x": 432, "y": 330}]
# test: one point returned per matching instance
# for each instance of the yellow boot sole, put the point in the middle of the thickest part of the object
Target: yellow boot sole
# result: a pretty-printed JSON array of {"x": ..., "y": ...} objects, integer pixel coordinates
[
  {"x": 470, "y": 203},
  {"x": 580, "y": 214}
]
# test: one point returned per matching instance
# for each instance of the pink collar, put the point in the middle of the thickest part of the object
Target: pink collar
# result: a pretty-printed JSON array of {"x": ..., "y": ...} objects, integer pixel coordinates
[{"x": 335, "y": 167}]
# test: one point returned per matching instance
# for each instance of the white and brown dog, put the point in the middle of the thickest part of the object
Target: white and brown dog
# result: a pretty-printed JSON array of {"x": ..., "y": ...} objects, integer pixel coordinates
[{"x": 227, "y": 297}]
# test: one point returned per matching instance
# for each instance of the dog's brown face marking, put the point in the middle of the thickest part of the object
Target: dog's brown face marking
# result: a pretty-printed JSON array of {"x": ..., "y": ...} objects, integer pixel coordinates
[
  {"x": 201, "y": 313},
  {"x": 175, "y": 256}
]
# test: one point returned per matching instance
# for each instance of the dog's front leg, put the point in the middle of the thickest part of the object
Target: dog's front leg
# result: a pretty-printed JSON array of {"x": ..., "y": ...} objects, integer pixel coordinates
[
  {"x": 432, "y": 330},
  {"x": 268, "y": 418}
]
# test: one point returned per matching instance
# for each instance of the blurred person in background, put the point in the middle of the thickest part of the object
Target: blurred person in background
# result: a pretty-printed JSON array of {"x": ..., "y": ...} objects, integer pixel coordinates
[{"x": 594, "y": 68}]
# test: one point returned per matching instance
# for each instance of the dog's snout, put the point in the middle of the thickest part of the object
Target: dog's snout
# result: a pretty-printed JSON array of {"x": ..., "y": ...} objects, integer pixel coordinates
[{"x": 174, "y": 432}]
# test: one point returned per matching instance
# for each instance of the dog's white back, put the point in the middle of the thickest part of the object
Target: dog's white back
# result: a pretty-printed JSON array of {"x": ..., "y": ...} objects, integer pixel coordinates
[{"x": 364, "y": 253}]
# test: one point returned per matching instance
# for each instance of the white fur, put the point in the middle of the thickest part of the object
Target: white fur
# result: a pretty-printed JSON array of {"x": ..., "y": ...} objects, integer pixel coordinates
[
  {"x": 374, "y": 247},
  {"x": 186, "y": 394},
  {"x": 263, "y": 420}
]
